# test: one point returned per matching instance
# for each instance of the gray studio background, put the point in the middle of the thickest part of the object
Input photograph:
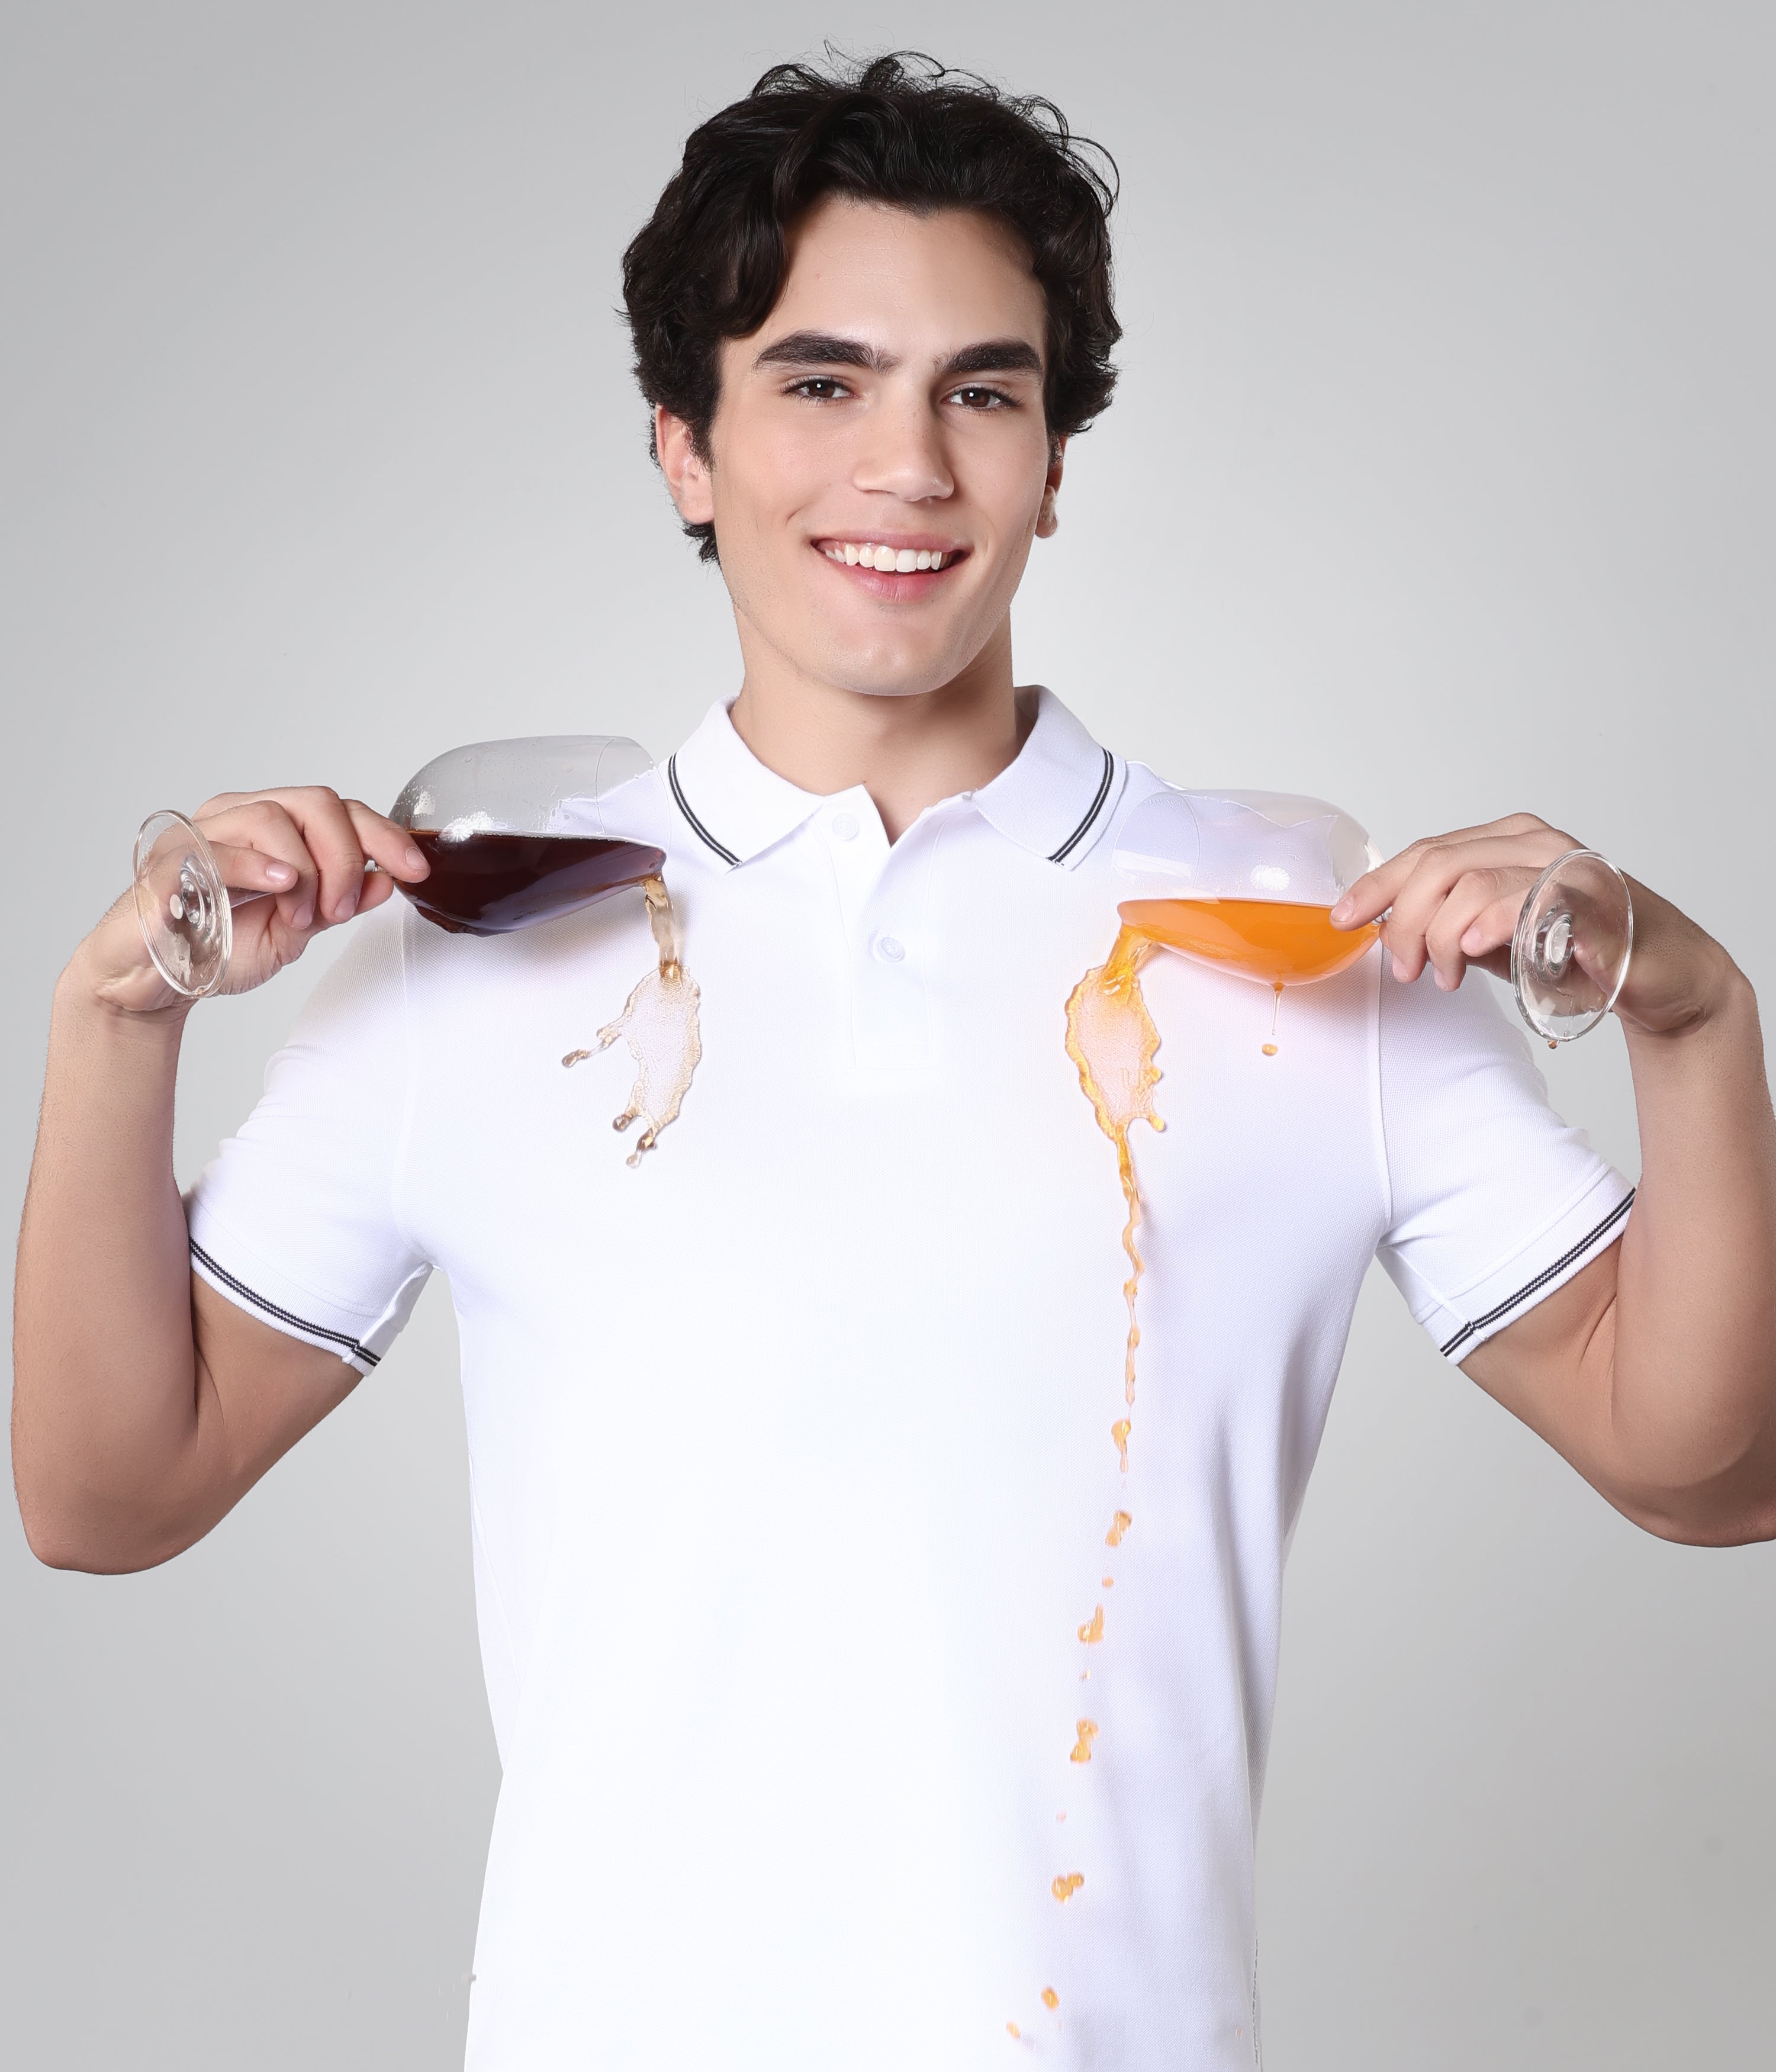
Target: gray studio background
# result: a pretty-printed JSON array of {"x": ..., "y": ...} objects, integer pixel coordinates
[{"x": 1439, "y": 482}]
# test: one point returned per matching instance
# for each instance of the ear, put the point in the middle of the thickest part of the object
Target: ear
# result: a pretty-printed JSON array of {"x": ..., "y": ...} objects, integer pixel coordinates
[
  {"x": 1047, "y": 524},
  {"x": 687, "y": 473}
]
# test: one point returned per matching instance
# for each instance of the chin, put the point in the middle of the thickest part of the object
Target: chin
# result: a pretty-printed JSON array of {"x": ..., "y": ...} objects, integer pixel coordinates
[{"x": 879, "y": 676}]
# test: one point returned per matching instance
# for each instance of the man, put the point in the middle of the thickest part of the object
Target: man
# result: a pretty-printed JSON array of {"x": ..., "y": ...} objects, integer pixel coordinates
[{"x": 860, "y": 1703}]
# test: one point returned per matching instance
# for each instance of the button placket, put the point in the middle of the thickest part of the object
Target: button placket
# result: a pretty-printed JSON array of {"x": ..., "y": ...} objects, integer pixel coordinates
[{"x": 881, "y": 900}]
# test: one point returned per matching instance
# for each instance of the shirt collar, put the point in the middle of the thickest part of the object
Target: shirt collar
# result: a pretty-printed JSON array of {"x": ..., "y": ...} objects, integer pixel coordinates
[{"x": 1054, "y": 798}]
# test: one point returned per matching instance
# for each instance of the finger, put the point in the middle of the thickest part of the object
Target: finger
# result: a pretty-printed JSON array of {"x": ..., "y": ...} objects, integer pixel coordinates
[
  {"x": 388, "y": 842},
  {"x": 1487, "y": 939},
  {"x": 1523, "y": 834},
  {"x": 332, "y": 841},
  {"x": 1436, "y": 867},
  {"x": 378, "y": 886},
  {"x": 1474, "y": 892},
  {"x": 251, "y": 870},
  {"x": 1416, "y": 933},
  {"x": 1493, "y": 928},
  {"x": 262, "y": 824}
]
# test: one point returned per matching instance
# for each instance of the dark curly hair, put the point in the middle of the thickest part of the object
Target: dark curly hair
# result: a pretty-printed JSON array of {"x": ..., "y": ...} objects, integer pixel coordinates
[{"x": 709, "y": 263}]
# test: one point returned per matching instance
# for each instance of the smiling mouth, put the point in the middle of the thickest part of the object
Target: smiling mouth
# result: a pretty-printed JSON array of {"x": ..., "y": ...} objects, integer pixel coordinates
[{"x": 886, "y": 560}]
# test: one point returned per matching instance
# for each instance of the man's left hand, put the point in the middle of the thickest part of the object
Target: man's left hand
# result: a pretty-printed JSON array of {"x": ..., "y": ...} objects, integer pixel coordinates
[{"x": 1452, "y": 900}]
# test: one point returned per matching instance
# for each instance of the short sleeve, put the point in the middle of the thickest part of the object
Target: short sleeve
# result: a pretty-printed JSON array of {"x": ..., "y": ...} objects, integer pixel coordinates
[
  {"x": 295, "y": 1220},
  {"x": 1495, "y": 1202}
]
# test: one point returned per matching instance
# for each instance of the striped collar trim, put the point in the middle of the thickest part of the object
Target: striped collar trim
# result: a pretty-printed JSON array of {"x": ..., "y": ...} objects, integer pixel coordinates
[{"x": 1054, "y": 799}]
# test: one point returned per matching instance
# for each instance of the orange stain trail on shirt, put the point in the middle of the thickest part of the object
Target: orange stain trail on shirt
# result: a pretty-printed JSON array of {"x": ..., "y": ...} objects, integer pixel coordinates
[{"x": 1112, "y": 1042}]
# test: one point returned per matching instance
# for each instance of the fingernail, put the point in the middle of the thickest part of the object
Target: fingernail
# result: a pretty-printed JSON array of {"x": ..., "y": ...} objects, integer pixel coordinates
[
  {"x": 280, "y": 874},
  {"x": 1342, "y": 911},
  {"x": 345, "y": 907},
  {"x": 303, "y": 914},
  {"x": 414, "y": 860},
  {"x": 1470, "y": 942},
  {"x": 1399, "y": 969}
]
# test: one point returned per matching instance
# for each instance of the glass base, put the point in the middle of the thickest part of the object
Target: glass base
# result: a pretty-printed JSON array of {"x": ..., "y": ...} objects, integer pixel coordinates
[
  {"x": 183, "y": 905},
  {"x": 1570, "y": 953}
]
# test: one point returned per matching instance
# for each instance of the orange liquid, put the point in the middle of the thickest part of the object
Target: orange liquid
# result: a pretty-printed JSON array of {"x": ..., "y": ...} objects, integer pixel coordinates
[{"x": 1272, "y": 940}]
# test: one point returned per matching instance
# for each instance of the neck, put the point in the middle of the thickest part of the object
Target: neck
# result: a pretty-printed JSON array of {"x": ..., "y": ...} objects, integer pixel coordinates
[{"x": 907, "y": 752}]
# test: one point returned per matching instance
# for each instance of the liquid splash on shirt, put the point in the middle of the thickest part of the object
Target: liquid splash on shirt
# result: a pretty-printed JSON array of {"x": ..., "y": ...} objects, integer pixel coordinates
[
  {"x": 1112, "y": 1040},
  {"x": 659, "y": 1022}
]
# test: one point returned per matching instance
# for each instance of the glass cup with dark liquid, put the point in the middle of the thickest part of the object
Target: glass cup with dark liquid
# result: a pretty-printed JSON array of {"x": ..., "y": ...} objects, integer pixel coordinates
[
  {"x": 1245, "y": 882},
  {"x": 516, "y": 832}
]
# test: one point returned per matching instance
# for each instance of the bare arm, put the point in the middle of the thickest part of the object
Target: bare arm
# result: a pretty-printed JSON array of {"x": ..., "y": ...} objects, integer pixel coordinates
[
  {"x": 144, "y": 1405},
  {"x": 1653, "y": 1370}
]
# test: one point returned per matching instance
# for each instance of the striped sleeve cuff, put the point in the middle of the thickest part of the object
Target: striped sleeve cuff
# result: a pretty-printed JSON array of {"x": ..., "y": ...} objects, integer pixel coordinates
[
  {"x": 359, "y": 1337},
  {"x": 1461, "y": 1323}
]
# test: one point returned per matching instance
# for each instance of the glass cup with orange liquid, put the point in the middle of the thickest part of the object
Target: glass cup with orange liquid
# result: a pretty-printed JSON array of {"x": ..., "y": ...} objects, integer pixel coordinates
[
  {"x": 516, "y": 832},
  {"x": 1245, "y": 882}
]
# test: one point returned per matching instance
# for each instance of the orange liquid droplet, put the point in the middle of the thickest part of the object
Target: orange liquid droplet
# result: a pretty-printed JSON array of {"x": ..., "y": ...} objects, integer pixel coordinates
[
  {"x": 1270, "y": 1049},
  {"x": 1060, "y": 1816},
  {"x": 1012, "y": 2029},
  {"x": 1119, "y": 1432},
  {"x": 1050, "y": 1998},
  {"x": 1092, "y": 1631},
  {"x": 1119, "y": 1525},
  {"x": 1109, "y": 1582},
  {"x": 1064, "y": 1888},
  {"x": 1082, "y": 1748}
]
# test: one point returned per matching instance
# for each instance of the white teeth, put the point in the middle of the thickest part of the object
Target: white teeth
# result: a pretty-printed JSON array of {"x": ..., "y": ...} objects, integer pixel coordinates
[{"x": 898, "y": 561}]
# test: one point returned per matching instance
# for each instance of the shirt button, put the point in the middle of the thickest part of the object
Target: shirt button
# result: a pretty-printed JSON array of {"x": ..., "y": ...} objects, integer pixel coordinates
[
  {"x": 890, "y": 949},
  {"x": 844, "y": 826}
]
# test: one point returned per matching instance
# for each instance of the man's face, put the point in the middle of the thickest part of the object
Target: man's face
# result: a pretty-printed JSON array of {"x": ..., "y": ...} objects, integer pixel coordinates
[{"x": 892, "y": 400}]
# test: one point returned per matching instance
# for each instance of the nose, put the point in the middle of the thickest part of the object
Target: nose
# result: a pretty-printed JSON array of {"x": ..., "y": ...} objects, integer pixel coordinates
[{"x": 902, "y": 454}]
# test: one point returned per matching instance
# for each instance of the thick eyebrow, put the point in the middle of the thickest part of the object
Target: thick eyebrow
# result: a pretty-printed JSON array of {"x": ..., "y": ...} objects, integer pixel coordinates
[
  {"x": 997, "y": 355},
  {"x": 820, "y": 348}
]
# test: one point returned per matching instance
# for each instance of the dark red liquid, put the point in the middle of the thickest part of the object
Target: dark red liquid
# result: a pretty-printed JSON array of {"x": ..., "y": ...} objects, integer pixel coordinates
[{"x": 491, "y": 884}]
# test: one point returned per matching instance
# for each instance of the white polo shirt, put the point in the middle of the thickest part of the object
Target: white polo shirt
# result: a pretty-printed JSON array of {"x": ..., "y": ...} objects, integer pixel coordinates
[{"x": 790, "y": 1449}]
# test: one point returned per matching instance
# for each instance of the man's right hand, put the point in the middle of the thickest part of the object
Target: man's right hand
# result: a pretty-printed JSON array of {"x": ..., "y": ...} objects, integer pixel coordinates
[
  {"x": 144, "y": 1405},
  {"x": 306, "y": 847}
]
